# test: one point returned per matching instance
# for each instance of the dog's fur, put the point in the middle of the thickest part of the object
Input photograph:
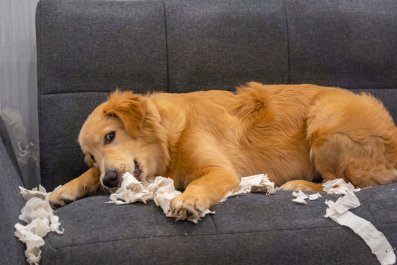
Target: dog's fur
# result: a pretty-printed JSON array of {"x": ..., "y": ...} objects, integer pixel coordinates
[{"x": 206, "y": 141}]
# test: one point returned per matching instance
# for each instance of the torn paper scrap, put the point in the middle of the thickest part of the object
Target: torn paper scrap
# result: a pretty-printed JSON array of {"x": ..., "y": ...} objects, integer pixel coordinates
[
  {"x": 131, "y": 190},
  {"x": 40, "y": 220},
  {"x": 162, "y": 191},
  {"x": 300, "y": 197},
  {"x": 255, "y": 184},
  {"x": 338, "y": 186},
  {"x": 315, "y": 196},
  {"x": 339, "y": 212},
  {"x": 39, "y": 192}
]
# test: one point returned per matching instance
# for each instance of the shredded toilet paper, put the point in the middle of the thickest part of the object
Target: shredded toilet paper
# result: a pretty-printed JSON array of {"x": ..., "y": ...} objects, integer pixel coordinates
[
  {"x": 255, "y": 183},
  {"x": 300, "y": 197},
  {"x": 339, "y": 212},
  {"x": 40, "y": 220},
  {"x": 162, "y": 191}
]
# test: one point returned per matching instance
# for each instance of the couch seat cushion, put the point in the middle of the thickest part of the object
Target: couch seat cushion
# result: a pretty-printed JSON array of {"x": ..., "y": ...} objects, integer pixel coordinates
[{"x": 248, "y": 229}]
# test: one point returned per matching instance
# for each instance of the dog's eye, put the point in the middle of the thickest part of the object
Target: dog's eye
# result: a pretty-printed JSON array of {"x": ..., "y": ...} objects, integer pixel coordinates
[
  {"x": 109, "y": 137},
  {"x": 93, "y": 158}
]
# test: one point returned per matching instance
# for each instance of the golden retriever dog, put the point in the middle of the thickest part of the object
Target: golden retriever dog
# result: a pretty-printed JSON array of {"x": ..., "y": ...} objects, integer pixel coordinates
[{"x": 206, "y": 141}]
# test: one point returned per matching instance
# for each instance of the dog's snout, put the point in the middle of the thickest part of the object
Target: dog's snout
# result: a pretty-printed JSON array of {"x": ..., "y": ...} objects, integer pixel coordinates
[{"x": 110, "y": 179}]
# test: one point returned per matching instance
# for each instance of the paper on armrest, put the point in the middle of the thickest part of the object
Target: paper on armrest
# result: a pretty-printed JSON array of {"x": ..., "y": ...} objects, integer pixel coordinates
[{"x": 40, "y": 219}]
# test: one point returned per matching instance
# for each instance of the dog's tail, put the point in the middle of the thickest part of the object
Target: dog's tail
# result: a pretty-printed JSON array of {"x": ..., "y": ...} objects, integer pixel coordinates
[{"x": 252, "y": 104}]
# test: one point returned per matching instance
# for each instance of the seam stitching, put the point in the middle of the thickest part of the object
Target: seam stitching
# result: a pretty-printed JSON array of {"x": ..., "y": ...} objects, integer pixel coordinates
[
  {"x": 166, "y": 46},
  {"x": 288, "y": 43}
]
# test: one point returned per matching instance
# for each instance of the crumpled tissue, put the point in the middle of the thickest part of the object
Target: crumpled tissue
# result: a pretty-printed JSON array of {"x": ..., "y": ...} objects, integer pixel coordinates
[
  {"x": 162, "y": 191},
  {"x": 256, "y": 183},
  {"x": 40, "y": 220}
]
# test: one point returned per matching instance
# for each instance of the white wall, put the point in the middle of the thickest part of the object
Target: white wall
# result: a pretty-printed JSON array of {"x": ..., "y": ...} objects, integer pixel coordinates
[{"x": 18, "y": 82}]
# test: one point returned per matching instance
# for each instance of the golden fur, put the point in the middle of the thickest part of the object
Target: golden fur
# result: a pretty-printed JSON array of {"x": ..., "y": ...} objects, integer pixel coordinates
[{"x": 206, "y": 141}]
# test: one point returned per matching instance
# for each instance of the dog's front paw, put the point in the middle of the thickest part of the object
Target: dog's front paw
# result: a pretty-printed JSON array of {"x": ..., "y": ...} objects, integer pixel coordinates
[
  {"x": 189, "y": 207},
  {"x": 62, "y": 196}
]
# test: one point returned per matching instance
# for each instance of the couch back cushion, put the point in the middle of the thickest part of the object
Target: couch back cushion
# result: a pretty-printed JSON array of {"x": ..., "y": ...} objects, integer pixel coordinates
[{"x": 87, "y": 48}]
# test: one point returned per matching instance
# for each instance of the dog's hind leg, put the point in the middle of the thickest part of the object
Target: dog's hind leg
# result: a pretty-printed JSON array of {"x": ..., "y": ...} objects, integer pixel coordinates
[
  {"x": 363, "y": 164},
  {"x": 302, "y": 185},
  {"x": 352, "y": 137}
]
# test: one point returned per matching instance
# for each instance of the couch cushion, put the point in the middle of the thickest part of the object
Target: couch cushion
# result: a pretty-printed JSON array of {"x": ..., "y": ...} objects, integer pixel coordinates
[
  {"x": 344, "y": 43},
  {"x": 98, "y": 45},
  {"x": 247, "y": 229},
  {"x": 61, "y": 158},
  {"x": 11, "y": 251},
  {"x": 222, "y": 44},
  {"x": 86, "y": 49}
]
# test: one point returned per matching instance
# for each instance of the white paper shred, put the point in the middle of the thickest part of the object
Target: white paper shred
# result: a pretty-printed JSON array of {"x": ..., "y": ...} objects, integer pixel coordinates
[
  {"x": 315, "y": 196},
  {"x": 162, "y": 191},
  {"x": 300, "y": 197},
  {"x": 339, "y": 212},
  {"x": 256, "y": 183},
  {"x": 40, "y": 220},
  {"x": 131, "y": 190}
]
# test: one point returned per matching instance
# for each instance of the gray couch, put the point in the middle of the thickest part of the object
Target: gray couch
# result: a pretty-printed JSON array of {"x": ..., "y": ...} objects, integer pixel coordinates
[{"x": 87, "y": 48}]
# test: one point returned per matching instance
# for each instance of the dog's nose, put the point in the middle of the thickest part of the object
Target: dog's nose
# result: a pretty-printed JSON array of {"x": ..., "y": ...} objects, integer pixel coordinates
[{"x": 110, "y": 179}]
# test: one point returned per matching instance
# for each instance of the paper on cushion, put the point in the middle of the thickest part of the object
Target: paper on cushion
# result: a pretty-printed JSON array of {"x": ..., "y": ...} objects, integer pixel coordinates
[
  {"x": 339, "y": 212},
  {"x": 300, "y": 197},
  {"x": 130, "y": 191},
  {"x": 39, "y": 192},
  {"x": 162, "y": 191},
  {"x": 338, "y": 186},
  {"x": 256, "y": 183},
  {"x": 343, "y": 204},
  {"x": 40, "y": 219},
  {"x": 314, "y": 196}
]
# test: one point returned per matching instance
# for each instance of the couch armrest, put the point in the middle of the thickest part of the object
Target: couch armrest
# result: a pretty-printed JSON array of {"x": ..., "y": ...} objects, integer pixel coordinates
[
  {"x": 8, "y": 146},
  {"x": 11, "y": 203}
]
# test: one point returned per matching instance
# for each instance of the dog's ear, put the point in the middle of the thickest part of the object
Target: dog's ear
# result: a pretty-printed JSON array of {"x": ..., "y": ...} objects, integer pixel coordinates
[{"x": 129, "y": 108}]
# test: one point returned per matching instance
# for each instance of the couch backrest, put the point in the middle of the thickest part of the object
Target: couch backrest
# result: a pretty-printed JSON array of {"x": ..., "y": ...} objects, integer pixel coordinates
[{"x": 87, "y": 48}]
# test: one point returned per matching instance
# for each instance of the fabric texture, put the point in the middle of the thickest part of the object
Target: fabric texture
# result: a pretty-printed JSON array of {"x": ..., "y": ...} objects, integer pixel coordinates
[
  {"x": 11, "y": 251},
  {"x": 87, "y": 48},
  {"x": 223, "y": 44},
  {"x": 248, "y": 229},
  {"x": 343, "y": 43},
  {"x": 61, "y": 158}
]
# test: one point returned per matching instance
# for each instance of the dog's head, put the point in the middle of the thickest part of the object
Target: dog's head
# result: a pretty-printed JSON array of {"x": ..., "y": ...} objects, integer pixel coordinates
[{"x": 124, "y": 134}]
